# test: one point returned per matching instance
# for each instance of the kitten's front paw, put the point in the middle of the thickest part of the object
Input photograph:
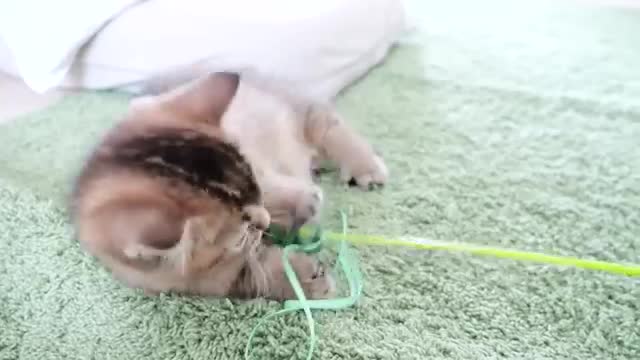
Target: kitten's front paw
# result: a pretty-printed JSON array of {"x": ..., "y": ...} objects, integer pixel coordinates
[
  {"x": 314, "y": 277},
  {"x": 294, "y": 203},
  {"x": 307, "y": 206},
  {"x": 367, "y": 170}
]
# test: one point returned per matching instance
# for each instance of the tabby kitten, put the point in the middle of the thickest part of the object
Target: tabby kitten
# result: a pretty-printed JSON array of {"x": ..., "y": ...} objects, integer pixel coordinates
[{"x": 177, "y": 195}]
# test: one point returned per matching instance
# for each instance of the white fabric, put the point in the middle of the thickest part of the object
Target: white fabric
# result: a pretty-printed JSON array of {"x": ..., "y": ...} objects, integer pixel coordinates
[
  {"x": 44, "y": 36},
  {"x": 315, "y": 46}
]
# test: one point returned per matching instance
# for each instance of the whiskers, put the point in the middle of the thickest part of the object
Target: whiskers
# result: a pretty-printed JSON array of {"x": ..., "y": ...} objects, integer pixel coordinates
[
  {"x": 260, "y": 278},
  {"x": 253, "y": 237},
  {"x": 250, "y": 237},
  {"x": 251, "y": 248}
]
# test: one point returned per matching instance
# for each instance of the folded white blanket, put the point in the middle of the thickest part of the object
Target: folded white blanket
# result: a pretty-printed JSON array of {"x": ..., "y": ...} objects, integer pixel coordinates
[
  {"x": 44, "y": 36},
  {"x": 315, "y": 46}
]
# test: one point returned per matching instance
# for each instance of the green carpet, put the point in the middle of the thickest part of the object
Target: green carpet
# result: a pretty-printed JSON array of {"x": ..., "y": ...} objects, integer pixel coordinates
[{"x": 503, "y": 124}]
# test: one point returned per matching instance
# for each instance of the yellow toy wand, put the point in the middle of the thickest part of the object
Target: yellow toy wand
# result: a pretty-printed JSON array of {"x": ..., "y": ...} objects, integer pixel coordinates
[
  {"x": 310, "y": 240},
  {"x": 631, "y": 270}
]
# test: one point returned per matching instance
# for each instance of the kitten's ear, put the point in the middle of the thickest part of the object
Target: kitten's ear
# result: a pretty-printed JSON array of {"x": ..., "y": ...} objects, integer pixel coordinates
[{"x": 205, "y": 98}]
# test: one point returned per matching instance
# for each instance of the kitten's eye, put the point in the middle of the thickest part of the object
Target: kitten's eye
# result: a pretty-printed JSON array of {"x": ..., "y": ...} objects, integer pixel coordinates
[{"x": 246, "y": 217}]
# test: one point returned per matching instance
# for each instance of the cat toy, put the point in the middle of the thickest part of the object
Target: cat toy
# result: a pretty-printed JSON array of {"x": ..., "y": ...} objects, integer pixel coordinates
[{"x": 311, "y": 240}]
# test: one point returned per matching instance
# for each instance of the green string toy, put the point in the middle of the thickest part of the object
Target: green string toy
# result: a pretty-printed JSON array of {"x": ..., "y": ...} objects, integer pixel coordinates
[
  {"x": 311, "y": 240},
  {"x": 312, "y": 243}
]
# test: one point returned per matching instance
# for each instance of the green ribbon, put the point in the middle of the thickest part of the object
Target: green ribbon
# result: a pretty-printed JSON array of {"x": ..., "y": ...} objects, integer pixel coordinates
[
  {"x": 346, "y": 261},
  {"x": 312, "y": 241}
]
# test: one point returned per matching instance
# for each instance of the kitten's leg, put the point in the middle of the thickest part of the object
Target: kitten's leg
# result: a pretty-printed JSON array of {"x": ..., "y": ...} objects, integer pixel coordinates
[
  {"x": 357, "y": 160},
  {"x": 265, "y": 277}
]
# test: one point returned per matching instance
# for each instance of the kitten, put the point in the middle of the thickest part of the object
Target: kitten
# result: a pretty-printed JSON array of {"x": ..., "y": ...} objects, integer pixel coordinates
[{"x": 177, "y": 195}]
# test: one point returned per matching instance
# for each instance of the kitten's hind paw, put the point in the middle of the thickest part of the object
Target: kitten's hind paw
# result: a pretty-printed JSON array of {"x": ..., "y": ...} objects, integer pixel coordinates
[{"x": 368, "y": 173}]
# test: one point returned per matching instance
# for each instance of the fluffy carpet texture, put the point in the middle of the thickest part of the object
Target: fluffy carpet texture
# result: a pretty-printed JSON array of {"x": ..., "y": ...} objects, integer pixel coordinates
[{"x": 506, "y": 124}]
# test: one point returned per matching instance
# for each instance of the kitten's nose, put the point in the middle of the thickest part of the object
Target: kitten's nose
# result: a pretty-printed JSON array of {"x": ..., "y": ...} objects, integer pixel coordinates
[{"x": 258, "y": 216}]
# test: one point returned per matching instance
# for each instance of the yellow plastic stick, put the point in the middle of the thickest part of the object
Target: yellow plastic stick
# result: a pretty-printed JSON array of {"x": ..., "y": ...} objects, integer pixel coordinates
[{"x": 631, "y": 270}]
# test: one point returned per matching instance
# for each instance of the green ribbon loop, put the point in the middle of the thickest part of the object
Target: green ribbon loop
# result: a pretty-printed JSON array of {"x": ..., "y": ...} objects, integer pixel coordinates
[{"x": 346, "y": 261}]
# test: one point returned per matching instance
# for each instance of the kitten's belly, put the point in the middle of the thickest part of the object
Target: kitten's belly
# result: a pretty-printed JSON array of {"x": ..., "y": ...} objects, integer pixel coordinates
[
  {"x": 269, "y": 133},
  {"x": 275, "y": 147}
]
